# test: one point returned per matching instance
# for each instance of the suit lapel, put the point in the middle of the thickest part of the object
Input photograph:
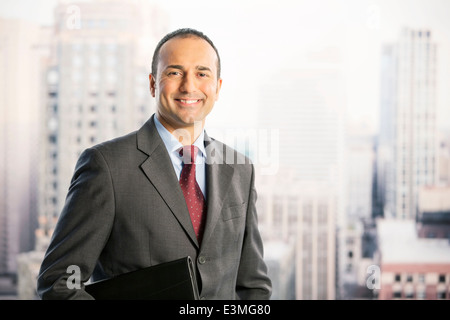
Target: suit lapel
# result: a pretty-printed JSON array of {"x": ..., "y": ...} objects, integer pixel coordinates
[
  {"x": 218, "y": 177},
  {"x": 159, "y": 170}
]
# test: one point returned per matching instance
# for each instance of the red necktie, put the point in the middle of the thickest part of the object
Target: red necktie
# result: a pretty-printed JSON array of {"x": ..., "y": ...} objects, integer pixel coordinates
[{"x": 192, "y": 193}]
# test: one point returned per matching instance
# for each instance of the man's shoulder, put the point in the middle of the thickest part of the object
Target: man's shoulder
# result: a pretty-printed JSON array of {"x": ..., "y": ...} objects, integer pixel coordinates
[
  {"x": 115, "y": 151},
  {"x": 118, "y": 143},
  {"x": 127, "y": 141}
]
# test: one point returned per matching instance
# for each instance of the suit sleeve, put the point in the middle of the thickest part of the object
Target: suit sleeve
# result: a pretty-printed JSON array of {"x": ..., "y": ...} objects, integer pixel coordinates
[
  {"x": 253, "y": 282},
  {"x": 81, "y": 231}
]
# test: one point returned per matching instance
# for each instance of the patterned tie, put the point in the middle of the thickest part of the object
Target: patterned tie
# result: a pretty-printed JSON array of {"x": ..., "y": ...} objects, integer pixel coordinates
[{"x": 192, "y": 193}]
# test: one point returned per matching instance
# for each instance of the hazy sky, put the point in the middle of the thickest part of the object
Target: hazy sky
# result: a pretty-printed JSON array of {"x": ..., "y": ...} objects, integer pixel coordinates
[{"x": 256, "y": 39}]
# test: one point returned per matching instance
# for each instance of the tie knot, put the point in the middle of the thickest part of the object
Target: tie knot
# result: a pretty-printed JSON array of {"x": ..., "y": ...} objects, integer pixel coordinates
[{"x": 189, "y": 153}]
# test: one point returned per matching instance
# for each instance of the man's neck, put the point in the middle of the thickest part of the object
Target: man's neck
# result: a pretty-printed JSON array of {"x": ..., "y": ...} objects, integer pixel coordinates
[{"x": 185, "y": 135}]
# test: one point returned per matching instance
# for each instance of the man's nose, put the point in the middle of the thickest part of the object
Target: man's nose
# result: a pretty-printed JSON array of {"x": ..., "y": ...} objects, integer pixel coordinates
[{"x": 188, "y": 84}]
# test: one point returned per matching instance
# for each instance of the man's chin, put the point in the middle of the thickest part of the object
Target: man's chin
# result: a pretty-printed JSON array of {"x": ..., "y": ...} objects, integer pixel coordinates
[{"x": 192, "y": 121}]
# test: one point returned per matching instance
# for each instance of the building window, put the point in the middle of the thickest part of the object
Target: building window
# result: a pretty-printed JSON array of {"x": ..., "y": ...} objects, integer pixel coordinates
[
  {"x": 442, "y": 278},
  {"x": 409, "y": 278},
  {"x": 431, "y": 235},
  {"x": 421, "y": 294},
  {"x": 421, "y": 278},
  {"x": 307, "y": 211},
  {"x": 441, "y": 295},
  {"x": 397, "y": 278},
  {"x": 409, "y": 295},
  {"x": 397, "y": 294},
  {"x": 349, "y": 267}
]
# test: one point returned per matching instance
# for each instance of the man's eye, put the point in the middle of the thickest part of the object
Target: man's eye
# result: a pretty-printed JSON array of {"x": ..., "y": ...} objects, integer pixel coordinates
[
  {"x": 174, "y": 73},
  {"x": 202, "y": 75}
]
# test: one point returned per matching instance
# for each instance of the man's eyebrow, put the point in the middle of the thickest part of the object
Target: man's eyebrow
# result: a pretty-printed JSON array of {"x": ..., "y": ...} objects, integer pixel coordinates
[
  {"x": 203, "y": 68},
  {"x": 180, "y": 67},
  {"x": 175, "y": 66}
]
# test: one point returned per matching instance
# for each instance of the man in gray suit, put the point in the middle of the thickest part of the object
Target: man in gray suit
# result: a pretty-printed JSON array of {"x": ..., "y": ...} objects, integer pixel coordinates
[{"x": 125, "y": 209}]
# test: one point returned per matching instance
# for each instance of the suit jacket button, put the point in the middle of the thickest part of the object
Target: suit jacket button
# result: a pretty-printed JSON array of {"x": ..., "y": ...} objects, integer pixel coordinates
[{"x": 201, "y": 259}]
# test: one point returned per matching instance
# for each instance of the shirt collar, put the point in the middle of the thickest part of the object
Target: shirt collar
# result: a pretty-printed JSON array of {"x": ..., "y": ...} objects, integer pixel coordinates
[{"x": 172, "y": 144}]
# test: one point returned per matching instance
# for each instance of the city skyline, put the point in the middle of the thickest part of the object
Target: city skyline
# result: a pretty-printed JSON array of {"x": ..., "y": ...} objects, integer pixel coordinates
[{"x": 318, "y": 89}]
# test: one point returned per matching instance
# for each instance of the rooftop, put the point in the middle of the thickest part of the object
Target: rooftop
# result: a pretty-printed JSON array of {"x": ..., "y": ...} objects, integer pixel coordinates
[{"x": 398, "y": 243}]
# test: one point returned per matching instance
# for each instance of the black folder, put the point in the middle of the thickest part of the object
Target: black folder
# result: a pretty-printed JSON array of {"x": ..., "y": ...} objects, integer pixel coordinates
[{"x": 174, "y": 280}]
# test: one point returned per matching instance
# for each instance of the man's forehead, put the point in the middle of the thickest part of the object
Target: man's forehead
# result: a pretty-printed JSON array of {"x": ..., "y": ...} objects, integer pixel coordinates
[
  {"x": 170, "y": 49},
  {"x": 184, "y": 37}
]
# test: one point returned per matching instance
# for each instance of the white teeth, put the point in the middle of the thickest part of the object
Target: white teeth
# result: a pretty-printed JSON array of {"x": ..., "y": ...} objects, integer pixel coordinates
[{"x": 189, "y": 101}]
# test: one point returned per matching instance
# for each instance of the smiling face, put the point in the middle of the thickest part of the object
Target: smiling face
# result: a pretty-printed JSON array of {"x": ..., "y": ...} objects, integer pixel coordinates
[{"x": 186, "y": 85}]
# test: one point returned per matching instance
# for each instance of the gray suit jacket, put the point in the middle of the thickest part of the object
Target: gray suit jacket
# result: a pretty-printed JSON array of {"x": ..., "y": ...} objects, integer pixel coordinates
[{"x": 125, "y": 210}]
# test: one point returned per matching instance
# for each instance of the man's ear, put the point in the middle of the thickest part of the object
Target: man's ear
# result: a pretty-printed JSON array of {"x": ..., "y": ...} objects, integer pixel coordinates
[
  {"x": 219, "y": 85},
  {"x": 152, "y": 81}
]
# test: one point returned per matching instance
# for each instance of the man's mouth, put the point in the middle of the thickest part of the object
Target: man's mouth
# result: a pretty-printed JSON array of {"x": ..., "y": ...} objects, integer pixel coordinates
[{"x": 188, "y": 102}]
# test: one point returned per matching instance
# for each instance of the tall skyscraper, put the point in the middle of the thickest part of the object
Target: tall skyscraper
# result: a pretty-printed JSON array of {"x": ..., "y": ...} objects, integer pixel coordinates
[
  {"x": 97, "y": 87},
  {"x": 408, "y": 143},
  {"x": 307, "y": 106},
  {"x": 94, "y": 88}
]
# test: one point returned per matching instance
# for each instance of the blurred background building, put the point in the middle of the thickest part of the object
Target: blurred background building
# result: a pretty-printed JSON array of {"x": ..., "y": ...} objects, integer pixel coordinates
[
  {"x": 337, "y": 196},
  {"x": 413, "y": 237},
  {"x": 96, "y": 89},
  {"x": 20, "y": 119},
  {"x": 409, "y": 135},
  {"x": 415, "y": 256},
  {"x": 90, "y": 85},
  {"x": 308, "y": 204}
]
